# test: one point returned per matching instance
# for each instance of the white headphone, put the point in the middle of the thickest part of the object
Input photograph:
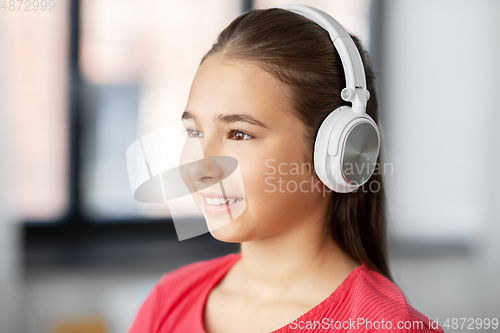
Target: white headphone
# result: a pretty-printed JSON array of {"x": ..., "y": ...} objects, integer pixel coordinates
[{"x": 348, "y": 141}]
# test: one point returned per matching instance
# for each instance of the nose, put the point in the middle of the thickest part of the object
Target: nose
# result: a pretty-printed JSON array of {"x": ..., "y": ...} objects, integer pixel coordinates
[
  {"x": 210, "y": 167},
  {"x": 207, "y": 172}
]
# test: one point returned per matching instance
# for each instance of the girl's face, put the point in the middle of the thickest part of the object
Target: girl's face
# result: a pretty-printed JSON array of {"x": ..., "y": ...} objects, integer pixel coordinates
[{"x": 237, "y": 109}]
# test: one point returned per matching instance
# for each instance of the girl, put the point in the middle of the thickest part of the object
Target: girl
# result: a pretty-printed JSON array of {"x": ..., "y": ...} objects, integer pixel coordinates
[{"x": 310, "y": 260}]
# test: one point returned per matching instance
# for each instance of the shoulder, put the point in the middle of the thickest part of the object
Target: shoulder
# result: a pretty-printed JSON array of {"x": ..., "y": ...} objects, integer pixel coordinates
[
  {"x": 177, "y": 294},
  {"x": 374, "y": 297}
]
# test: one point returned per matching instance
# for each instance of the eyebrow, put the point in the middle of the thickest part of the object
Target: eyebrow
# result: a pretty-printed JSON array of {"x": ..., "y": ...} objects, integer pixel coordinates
[{"x": 229, "y": 118}]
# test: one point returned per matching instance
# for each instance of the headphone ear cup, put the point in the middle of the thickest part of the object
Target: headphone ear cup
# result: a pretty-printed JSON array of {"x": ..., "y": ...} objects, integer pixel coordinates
[
  {"x": 346, "y": 149},
  {"x": 321, "y": 145}
]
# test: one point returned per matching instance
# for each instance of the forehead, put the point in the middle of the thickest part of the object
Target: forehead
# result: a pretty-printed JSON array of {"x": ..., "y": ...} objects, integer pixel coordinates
[{"x": 222, "y": 85}]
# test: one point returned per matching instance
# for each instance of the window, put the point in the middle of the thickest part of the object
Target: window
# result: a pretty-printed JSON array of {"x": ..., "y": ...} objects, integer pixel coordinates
[
  {"x": 137, "y": 60},
  {"x": 34, "y": 97}
]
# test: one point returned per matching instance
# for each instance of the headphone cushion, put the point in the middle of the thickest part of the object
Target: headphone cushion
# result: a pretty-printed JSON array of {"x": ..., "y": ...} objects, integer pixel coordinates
[{"x": 346, "y": 149}]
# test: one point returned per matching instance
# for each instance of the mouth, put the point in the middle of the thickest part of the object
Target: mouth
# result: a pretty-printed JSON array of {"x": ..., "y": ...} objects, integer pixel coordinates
[
  {"x": 221, "y": 201},
  {"x": 217, "y": 204}
]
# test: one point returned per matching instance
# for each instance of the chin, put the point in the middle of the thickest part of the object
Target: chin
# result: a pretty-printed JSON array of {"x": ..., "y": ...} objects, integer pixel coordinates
[
  {"x": 222, "y": 228},
  {"x": 232, "y": 232}
]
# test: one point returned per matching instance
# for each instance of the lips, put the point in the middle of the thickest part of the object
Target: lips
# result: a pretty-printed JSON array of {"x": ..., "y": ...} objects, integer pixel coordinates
[
  {"x": 221, "y": 201},
  {"x": 217, "y": 204}
]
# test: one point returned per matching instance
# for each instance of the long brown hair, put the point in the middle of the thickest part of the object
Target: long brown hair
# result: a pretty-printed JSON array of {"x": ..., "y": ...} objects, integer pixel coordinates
[{"x": 300, "y": 53}]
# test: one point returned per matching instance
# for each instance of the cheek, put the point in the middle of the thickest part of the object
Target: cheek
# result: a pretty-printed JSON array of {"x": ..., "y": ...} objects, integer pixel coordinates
[
  {"x": 252, "y": 172},
  {"x": 275, "y": 189}
]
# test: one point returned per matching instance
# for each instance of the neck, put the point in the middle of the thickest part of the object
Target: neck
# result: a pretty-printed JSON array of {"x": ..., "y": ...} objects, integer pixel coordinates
[{"x": 294, "y": 260}]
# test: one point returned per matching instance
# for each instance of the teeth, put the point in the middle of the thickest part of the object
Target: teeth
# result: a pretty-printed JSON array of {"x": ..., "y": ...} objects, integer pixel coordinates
[{"x": 220, "y": 201}]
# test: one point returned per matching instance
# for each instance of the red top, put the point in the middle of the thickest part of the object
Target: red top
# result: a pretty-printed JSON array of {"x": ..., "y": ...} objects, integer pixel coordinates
[{"x": 364, "y": 302}]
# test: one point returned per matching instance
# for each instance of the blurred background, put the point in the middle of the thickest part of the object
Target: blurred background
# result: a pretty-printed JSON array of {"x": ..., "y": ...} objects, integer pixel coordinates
[{"x": 81, "y": 80}]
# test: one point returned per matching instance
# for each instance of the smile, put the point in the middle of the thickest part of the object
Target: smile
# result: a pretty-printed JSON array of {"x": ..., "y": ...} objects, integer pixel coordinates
[
  {"x": 221, "y": 201},
  {"x": 217, "y": 204}
]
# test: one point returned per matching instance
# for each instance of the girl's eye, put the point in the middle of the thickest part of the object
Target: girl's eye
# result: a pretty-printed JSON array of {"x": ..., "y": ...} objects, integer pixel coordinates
[
  {"x": 238, "y": 135},
  {"x": 234, "y": 134},
  {"x": 193, "y": 133}
]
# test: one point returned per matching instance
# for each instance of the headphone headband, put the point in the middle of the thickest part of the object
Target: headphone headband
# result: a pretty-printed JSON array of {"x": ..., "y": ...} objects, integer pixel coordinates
[{"x": 355, "y": 91}]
